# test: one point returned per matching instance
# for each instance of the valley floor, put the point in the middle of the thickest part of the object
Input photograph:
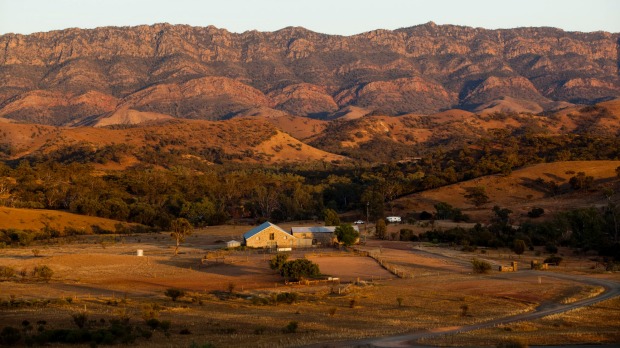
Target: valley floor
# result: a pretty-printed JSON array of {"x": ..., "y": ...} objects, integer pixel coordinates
[{"x": 232, "y": 297}]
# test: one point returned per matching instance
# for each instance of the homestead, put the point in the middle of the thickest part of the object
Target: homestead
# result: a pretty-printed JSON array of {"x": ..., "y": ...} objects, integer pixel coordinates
[{"x": 269, "y": 235}]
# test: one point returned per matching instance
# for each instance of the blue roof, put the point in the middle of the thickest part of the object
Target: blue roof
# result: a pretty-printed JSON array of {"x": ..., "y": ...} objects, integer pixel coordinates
[{"x": 257, "y": 229}]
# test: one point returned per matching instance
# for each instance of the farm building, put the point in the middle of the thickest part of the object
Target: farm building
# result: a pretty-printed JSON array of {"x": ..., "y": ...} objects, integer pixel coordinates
[
  {"x": 319, "y": 235},
  {"x": 268, "y": 235},
  {"x": 233, "y": 244}
]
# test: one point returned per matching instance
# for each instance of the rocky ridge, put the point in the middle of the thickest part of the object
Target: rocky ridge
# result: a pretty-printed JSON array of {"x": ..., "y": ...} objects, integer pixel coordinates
[{"x": 63, "y": 77}]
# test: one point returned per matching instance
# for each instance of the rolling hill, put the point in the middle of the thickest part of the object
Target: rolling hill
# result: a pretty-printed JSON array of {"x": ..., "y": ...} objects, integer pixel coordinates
[{"x": 520, "y": 191}]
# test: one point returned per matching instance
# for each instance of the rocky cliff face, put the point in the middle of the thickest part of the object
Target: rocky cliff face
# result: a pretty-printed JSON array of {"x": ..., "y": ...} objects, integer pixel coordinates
[{"x": 210, "y": 73}]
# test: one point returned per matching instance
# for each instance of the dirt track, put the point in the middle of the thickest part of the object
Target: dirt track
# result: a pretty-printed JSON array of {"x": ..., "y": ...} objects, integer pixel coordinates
[{"x": 612, "y": 289}]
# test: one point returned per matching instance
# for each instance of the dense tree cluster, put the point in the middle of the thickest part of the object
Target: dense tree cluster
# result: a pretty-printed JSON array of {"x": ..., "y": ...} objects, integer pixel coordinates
[
  {"x": 206, "y": 194},
  {"x": 585, "y": 229}
]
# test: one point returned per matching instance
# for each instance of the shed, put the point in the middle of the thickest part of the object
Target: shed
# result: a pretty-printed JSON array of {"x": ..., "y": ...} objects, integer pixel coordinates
[
  {"x": 316, "y": 234},
  {"x": 233, "y": 244}
]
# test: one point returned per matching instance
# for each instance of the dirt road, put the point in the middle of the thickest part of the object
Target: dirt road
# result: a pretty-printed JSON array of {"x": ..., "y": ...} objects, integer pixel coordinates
[{"x": 612, "y": 289}]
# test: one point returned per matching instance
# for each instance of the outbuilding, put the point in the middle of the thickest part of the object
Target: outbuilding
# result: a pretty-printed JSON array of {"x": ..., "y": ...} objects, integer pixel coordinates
[{"x": 233, "y": 244}]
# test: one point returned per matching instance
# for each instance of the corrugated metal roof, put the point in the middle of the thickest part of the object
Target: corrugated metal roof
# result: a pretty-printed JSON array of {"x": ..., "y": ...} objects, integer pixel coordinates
[
  {"x": 313, "y": 229},
  {"x": 259, "y": 228},
  {"x": 317, "y": 229}
]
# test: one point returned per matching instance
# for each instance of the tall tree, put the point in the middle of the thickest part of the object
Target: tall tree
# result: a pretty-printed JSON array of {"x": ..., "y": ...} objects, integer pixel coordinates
[
  {"x": 519, "y": 246},
  {"x": 380, "y": 229},
  {"x": 331, "y": 217},
  {"x": 181, "y": 228},
  {"x": 477, "y": 195},
  {"x": 346, "y": 234}
]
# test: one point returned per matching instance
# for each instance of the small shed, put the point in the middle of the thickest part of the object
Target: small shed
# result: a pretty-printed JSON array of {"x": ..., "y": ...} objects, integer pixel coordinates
[{"x": 233, "y": 244}]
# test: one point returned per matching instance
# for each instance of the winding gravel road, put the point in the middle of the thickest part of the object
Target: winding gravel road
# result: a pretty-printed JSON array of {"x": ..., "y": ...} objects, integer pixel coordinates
[{"x": 612, "y": 289}]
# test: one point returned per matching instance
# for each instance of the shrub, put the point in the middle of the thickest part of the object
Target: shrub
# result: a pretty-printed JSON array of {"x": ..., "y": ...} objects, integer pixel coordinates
[
  {"x": 405, "y": 234},
  {"x": 299, "y": 269},
  {"x": 278, "y": 261},
  {"x": 554, "y": 260},
  {"x": 291, "y": 327},
  {"x": 464, "y": 310},
  {"x": 185, "y": 332},
  {"x": 10, "y": 336},
  {"x": 43, "y": 272},
  {"x": 287, "y": 297},
  {"x": 7, "y": 272},
  {"x": 174, "y": 293},
  {"x": 512, "y": 344},
  {"x": 400, "y": 301},
  {"x": 480, "y": 266},
  {"x": 536, "y": 212},
  {"x": 153, "y": 323},
  {"x": 551, "y": 248},
  {"x": 231, "y": 287},
  {"x": 80, "y": 319}
]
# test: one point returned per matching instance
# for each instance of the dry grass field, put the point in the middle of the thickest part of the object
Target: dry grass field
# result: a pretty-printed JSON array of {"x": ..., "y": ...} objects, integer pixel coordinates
[
  {"x": 36, "y": 219},
  {"x": 102, "y": 277},
  {"x": 517, "y": 192}
]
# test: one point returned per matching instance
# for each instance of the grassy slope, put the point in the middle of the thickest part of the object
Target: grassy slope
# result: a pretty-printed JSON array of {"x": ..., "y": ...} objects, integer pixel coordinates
[
  {"x": 31, "y": 219},
  {"x": 513, "y": 192}
]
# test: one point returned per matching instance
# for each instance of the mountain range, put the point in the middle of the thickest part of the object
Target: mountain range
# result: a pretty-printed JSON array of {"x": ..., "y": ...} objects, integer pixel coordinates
[{"x": 126, "y": 75}]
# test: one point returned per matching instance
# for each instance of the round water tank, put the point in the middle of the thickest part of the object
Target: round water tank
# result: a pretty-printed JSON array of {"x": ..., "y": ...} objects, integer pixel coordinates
[{"x": 139, "y": 252}]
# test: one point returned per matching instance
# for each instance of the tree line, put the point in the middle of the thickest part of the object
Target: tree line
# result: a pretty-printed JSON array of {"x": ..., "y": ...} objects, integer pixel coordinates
[{"x": 213, "y": 194}]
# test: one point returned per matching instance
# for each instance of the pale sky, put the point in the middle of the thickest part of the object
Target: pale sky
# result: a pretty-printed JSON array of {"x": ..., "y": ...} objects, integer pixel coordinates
[{"x": 344, "y": 17}]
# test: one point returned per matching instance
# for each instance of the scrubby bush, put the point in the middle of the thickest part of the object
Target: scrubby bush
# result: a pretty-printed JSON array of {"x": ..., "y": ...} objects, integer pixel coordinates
[
  {"x": 7, "y": 272},
  {"x": 10, "y": 336},
  {"x": 174, "y": 294},
  {"x": 291, "y": 327},
  {"x": 536, "y": 212},
  {"x": 554, "y": 260},
  {"x": 480, "y": 266},
  {"x": 80, "y": 319},
  {"x": 43, "y": 272},
  {"x": 287, "y": 297},
  {"x": 551, "y": 248}
]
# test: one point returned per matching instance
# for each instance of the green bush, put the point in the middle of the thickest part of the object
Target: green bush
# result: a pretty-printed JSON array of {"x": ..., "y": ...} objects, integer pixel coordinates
[
  {"x": 278, "y": 261},
  {"x": 299, "y": 269}
]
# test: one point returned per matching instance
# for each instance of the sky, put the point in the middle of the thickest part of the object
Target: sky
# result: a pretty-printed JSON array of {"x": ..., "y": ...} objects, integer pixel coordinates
[{"x": 342, "y": 17}]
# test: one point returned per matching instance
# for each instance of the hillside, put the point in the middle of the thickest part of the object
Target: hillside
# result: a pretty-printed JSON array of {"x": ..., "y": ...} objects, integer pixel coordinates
[
  {"x": 76, "y": 77},
  {"x": 159, "y": 142},
  {"x": 36, "y": 219},
  {"x": 520, "y": 191}
]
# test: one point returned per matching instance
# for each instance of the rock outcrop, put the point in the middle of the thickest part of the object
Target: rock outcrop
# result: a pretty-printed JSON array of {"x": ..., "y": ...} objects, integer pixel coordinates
[{"x": 210, "y": 73}]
